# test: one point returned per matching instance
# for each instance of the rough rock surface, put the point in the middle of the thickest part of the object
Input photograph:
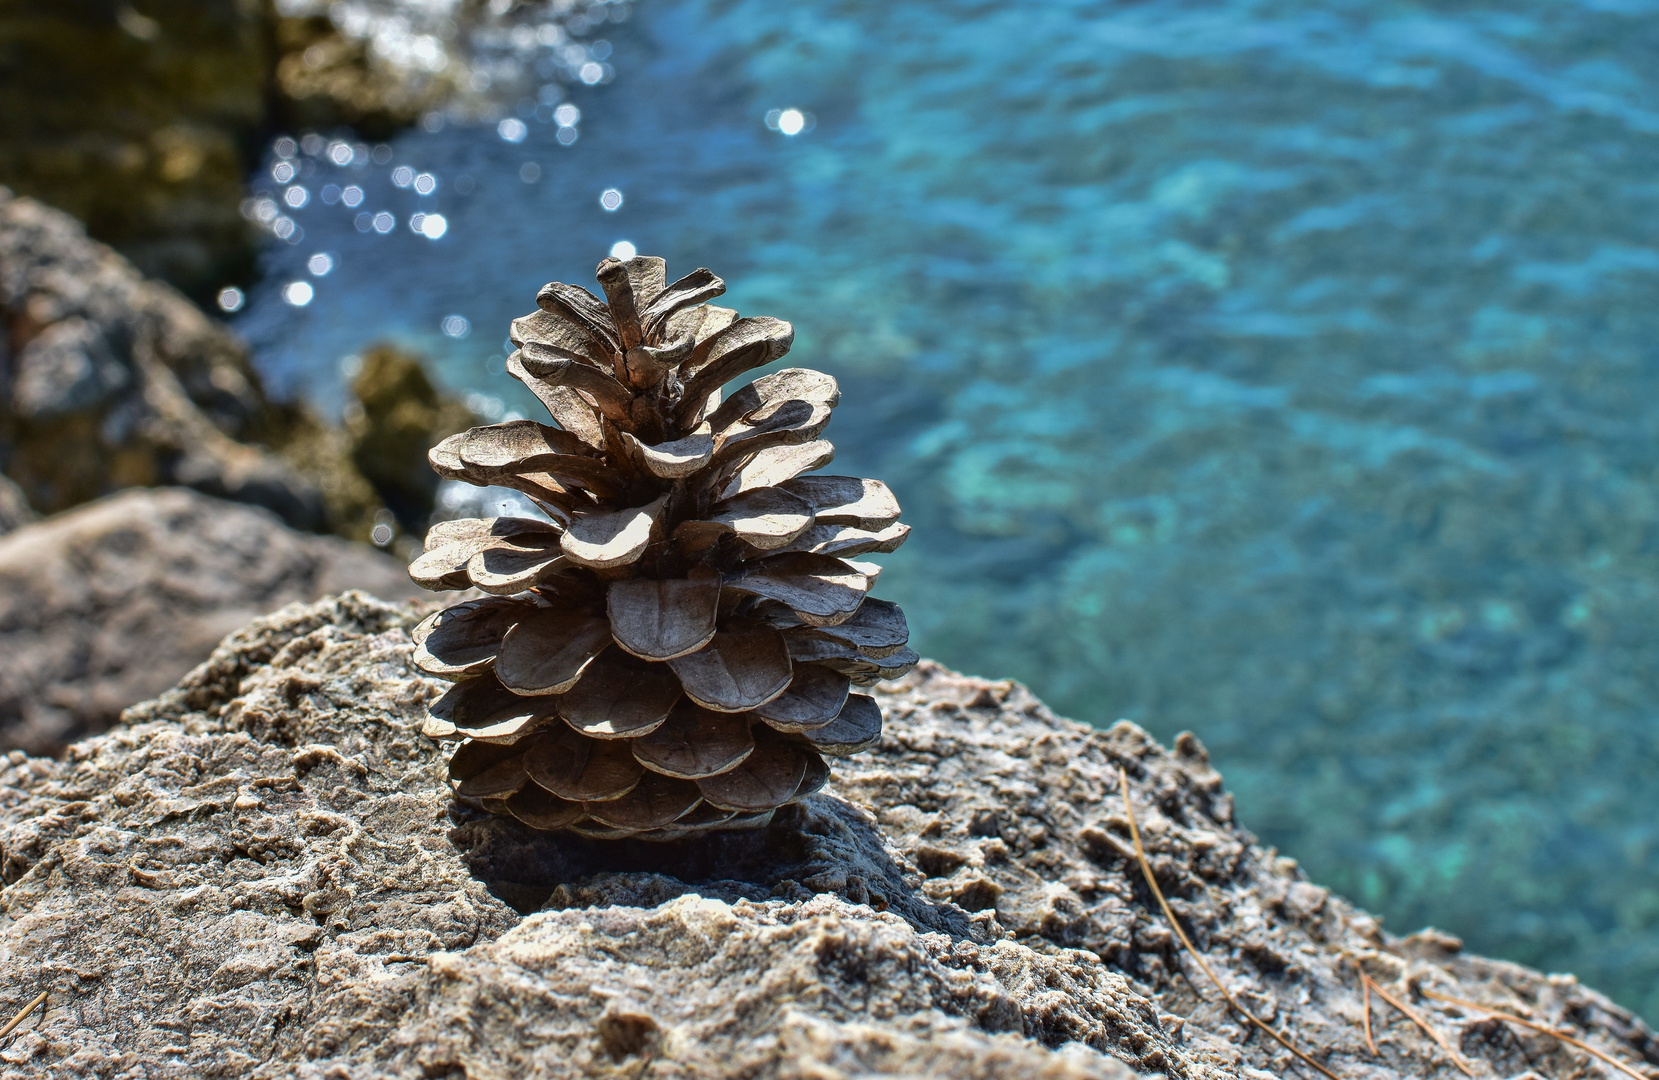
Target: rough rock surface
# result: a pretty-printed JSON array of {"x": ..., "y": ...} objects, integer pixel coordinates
[
  {"x": 262, "y": 875},
  {"x": 112, "y": 602}
]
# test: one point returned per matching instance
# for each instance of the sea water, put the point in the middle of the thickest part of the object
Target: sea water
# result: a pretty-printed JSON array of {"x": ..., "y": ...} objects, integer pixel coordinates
[{"x": 1283, "y": 371}]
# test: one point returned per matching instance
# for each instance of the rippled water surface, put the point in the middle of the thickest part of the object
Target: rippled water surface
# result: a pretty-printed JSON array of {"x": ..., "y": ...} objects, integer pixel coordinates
[{"x": 1282, "y": 371}]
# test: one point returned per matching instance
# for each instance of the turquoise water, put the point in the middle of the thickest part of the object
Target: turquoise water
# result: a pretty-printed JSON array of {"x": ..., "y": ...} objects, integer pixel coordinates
[{"x": 1285, "y": 372}]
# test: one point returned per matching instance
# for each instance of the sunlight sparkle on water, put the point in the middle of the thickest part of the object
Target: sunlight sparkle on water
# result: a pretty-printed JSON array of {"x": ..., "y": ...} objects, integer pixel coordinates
[
  {"x": 622, "y": 249},
  {"x": 319, "y": 264},
  {"x": 298, "y": 293}
]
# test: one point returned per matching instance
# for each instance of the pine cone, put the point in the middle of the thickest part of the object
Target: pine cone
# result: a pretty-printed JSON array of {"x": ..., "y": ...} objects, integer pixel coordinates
[{"x": 673, "y": 649}]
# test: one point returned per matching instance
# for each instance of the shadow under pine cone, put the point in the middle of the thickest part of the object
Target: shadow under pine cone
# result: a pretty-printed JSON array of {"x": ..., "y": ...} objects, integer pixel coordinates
[{"x": 821, "y": 845}]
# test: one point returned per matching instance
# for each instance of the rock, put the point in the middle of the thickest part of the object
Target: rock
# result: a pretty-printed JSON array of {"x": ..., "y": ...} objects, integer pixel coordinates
[
  {"x": 145, "y": 125},
  {"x": 111, "y": 603},
  {"x": 398, "y": 416},
  {"x": 328, "y": 78},
  {"x": 111, "y": 380},
  {"x": 262, "y": 874},
  {"x": 14, "y": 508}
]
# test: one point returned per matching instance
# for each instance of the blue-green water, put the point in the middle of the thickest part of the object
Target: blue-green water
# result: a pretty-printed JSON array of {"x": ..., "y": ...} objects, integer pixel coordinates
[{"x": 1288, "y": 372}]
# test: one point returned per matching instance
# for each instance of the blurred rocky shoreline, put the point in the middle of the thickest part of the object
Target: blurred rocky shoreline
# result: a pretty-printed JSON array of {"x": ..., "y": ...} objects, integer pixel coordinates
[
  {"x": 126, "y": 135},
  {"x": 111, "y": 382},
  {"x": 143, "y": 119}
]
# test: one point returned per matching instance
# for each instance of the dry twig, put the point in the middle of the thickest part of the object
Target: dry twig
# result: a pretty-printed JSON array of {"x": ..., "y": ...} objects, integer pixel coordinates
[
  {"x": 1146, "y": 869},
  {"x": 23, "y": 1014},
  {"x": 1417, "y": 1018},
  {"x": 1365, "y": 983},
  {"x": 1513, "y": 1019}
]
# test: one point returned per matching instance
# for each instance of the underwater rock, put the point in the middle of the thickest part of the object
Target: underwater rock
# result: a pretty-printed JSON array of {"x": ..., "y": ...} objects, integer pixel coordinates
[
  {"x": 144, "y": 124},
  {"x": 326, "y": 79},
  {"x": 110, "y": 603},
  {"x": 262, "y": 874}
]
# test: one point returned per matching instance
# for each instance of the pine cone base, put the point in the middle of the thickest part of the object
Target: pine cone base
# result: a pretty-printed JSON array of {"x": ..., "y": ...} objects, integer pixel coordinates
[{"x": 673, "y": 647}]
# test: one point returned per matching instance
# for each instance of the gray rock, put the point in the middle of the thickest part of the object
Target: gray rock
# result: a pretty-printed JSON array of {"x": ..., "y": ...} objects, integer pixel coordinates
[
  {"x": 14, "y": 508},
  {"x": 112, "y": 602},
  {"x": 262, "y": 874},
  {"x": 112, "y": 380},
  {"x": 68, "y": 367}
]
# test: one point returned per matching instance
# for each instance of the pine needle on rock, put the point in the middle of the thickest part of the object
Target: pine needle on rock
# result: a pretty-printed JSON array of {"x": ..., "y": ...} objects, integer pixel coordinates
[
  {"x": 1541, "y": 1028},
  {"x": 1146, "y": 870},
  {"x": 1365, "y": 984},
  {"x": 1417, "y": 1018},
  {"x": 23, "y": 1014}
]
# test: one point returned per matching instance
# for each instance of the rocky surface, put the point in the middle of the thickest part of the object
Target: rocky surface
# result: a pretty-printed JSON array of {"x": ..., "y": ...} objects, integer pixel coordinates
[
  {"x": 262, "y": 874},
  {"x": 111, "y": 603}
]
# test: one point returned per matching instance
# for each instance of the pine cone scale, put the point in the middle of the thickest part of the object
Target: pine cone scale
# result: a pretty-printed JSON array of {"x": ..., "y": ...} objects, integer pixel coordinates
[
  {"x": 657, "y": 801},
  {"x": 605, "y": 540},
  {"x": 765, "y": 780},
  {"x": 667, "y": 619},
  {"x": 619, "y": 697},
  {"x": 696, "y": 743},
  {"x": 673, "y": 649},
  {"x": 815, "y": 697},
  {"x": 547, "y": 651},
  {"x": 745, "y": 665},
  {"x": 582, "y": 770}
]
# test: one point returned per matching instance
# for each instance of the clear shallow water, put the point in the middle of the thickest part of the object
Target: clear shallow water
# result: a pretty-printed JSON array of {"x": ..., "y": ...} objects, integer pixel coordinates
[{"x": 1281, "y": 371}]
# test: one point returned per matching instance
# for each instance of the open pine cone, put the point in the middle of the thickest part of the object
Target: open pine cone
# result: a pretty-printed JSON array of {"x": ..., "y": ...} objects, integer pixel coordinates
[{"x": 673, "y": 649}]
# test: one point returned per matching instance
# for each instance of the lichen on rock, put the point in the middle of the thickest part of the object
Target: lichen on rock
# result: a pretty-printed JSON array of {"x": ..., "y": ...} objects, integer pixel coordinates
[{"x": 263, "y": 874}]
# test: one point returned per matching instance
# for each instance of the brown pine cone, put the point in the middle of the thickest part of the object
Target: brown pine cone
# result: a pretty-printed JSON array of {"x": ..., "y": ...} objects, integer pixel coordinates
[{"x": 673, "y": 648}]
